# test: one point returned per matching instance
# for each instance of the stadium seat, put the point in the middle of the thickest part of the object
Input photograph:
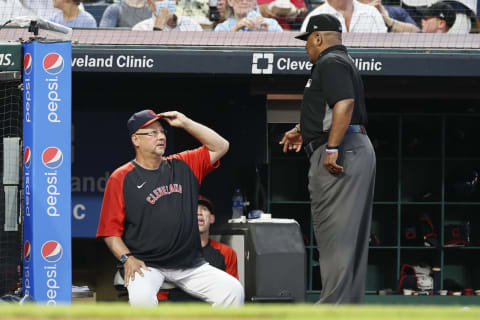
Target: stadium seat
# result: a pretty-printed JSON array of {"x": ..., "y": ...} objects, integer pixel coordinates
[{"x": 96, "y": 9}]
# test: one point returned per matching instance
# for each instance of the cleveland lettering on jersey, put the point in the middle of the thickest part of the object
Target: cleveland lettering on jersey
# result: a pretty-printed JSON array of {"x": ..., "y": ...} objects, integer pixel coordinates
[{"x": 159, "y": 192}]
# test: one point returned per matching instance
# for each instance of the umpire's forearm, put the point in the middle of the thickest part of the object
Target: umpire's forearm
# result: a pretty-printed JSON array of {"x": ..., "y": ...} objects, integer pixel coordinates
[{"x": 342, "y": 115}]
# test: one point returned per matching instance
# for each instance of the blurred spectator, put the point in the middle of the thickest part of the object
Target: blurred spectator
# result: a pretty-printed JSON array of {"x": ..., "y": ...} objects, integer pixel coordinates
[
  {"x": 243, "y": 15},
  {"x": 222, "y": 7},
  {"x": 125, "y": 14},
  {"x": 289, "y": 13},
  {"x": 438, "y": 18},
  {"x": 396, "y": 18},
  {"x": 163, "y": 18},
  {"x": 353, "y": 15},
  {"x": 477, "y": 18},
  {"x": 198, "y": 10},
  {"x": 221, "y": 10},
  {"x": 12, "y": 8},
  {"x": 464, "y": 11},
  {"x": 42, "y": 8},
  {"x": 71, "y": 15}
]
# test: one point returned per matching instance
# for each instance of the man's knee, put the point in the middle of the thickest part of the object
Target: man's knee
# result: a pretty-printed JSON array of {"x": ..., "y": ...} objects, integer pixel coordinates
[
  {"x": 235, "y": 294},
  {"x": 142, "y": 299},
  {"x": 239, "y": 293}
]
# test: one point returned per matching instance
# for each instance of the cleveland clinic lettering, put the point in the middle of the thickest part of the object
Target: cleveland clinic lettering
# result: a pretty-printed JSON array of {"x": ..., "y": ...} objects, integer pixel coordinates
[
  {"x": 289, "y": 64},
  {"x": 132, "y": 62},
  {"x": 367, "y": 65},
  {"x": 121, "y": 61},
  {"x": 283, "y": 64}
]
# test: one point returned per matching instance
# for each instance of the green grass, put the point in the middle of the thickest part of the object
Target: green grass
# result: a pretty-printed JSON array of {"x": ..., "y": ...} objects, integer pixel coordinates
[{"x": 257, "y": 311}]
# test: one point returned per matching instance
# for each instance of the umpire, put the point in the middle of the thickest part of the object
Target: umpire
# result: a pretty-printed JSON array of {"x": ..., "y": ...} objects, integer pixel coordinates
[{"x": 342, "y": 161}]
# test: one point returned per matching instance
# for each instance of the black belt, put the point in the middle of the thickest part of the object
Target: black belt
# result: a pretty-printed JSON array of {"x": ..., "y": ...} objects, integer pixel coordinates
[{"x": 314, "y": 144}]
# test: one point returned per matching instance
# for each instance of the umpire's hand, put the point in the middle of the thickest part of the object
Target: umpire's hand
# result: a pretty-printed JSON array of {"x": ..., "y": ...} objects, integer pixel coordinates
[
  {"x": 330, "y": 162},
  {"x": 292, "y": 140},
  {"x": 131, "y": 266}
]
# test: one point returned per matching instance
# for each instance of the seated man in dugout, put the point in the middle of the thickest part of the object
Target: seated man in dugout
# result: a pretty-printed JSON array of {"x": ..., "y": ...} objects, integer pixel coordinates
[
  {"x": 148, "y": 218},
  {"x": 164, "y": 18},
  {"x": 217, "y": 254}
]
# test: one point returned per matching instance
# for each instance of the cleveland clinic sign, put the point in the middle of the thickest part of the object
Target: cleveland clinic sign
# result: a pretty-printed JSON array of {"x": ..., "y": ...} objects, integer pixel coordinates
[
  {"x": 281, "y": 61},
  {"x": 269, "y": 63}
]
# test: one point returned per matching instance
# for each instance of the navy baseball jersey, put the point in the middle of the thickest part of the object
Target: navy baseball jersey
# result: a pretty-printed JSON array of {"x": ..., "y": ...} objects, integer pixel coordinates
[{"x": 155, "y": 211}]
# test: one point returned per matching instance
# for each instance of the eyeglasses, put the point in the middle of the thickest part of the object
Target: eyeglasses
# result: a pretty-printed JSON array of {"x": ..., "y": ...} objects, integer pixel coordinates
[{"x": 153, "y": 133}]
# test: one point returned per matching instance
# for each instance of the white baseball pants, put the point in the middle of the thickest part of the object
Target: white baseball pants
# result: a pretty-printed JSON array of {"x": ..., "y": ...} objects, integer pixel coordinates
[{"x": 206, "y": 282}]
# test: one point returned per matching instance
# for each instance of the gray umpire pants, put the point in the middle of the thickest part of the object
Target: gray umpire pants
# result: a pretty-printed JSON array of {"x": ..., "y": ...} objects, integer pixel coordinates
[{"x": 341, "y": 215}]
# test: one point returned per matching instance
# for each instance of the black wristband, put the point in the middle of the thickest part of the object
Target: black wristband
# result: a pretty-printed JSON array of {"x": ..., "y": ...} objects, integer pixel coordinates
[
  {"x": 328, "y": 147},
  {"x": 157, "y": 29}
]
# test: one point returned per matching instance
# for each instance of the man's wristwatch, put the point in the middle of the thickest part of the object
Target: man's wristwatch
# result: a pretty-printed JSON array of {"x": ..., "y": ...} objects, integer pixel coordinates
[{"x": 124, "y": 257}]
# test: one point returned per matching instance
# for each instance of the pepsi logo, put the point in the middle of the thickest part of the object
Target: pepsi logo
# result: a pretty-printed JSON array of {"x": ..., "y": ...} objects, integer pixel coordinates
[
  {"x": 27, "y": 157},
  {"x": 52, "y": 251},
  {"x": 27, "y": 251},
  {"x": 27, "y": 63},
  {"x": 52, "y": 157},
  {"x": 53, "y": 63}
]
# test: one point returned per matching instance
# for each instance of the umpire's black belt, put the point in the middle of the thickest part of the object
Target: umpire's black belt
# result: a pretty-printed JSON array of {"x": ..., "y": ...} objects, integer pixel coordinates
[{"x": 315, "y": 143}]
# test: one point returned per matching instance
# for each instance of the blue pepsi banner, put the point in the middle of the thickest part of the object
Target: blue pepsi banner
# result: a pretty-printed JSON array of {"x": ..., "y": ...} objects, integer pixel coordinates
[{"x": 47, "y": 118}]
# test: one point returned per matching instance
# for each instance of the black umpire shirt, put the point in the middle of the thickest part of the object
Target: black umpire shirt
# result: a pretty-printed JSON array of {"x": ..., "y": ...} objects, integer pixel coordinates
[{"x": 334, "y": 77}]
